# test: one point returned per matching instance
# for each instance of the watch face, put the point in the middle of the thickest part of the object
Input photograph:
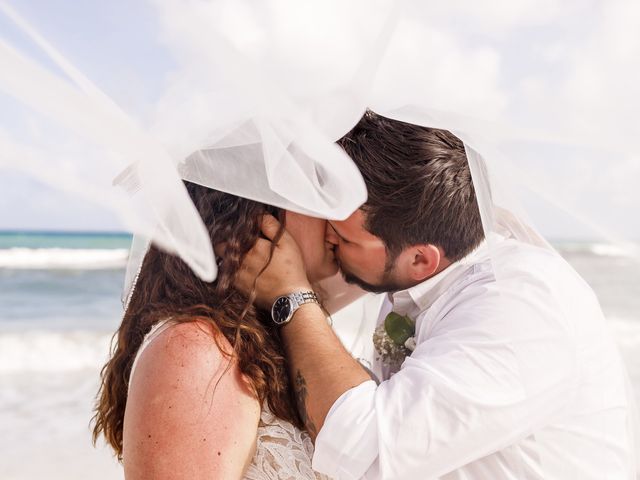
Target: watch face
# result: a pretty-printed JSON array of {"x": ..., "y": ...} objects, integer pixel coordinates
[{"x": 281, "y": 310}]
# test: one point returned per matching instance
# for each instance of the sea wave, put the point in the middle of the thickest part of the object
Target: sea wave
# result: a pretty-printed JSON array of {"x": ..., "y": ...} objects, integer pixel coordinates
[
  {"x": 62, "y": 258},
  {"x": 51, "y": 351},
  {"x": 66, "y": 351}
]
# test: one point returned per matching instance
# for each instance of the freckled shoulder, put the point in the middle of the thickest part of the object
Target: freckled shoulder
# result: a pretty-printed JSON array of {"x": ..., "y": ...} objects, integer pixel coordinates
[
  {"x": 188, "y": 403},
  {"x": 195, "y": 343}
]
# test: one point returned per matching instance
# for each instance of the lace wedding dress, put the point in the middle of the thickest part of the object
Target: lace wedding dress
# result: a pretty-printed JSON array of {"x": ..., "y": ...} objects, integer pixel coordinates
[{"x": 283, "y": 452}]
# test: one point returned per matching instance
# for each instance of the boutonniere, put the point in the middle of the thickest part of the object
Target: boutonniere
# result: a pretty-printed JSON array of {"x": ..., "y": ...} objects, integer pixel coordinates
[{"x": 395, "y": 339}]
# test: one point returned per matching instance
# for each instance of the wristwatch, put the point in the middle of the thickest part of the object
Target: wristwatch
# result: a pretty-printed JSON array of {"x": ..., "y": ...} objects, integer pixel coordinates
[{"x": 284, "y": 307}]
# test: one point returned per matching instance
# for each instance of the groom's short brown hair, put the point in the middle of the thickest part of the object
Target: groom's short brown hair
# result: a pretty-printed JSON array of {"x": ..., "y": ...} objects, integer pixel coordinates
[{"x": 419, "y": 185}]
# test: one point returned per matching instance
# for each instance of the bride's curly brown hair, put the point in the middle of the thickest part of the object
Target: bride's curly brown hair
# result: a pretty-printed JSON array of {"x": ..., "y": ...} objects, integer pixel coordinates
[{"x": 167, "y": 288}]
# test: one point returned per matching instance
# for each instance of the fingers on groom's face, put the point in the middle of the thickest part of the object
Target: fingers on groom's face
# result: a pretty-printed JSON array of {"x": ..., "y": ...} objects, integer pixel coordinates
[{"x": 309, "y": 234}]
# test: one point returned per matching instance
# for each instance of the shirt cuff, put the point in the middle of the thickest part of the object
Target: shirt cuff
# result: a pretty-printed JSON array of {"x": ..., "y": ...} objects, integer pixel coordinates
[{"x": 347, "y": 444}]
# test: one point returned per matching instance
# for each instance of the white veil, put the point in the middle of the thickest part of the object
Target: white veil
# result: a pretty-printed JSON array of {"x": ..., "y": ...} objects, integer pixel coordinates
[{"x": 248, "y": 97}]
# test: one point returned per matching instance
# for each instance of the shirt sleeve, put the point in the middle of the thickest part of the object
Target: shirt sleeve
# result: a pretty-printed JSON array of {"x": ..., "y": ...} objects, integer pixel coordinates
[
  {"x": 484, "y": 376},
  {"x": 348, "y": 456}
]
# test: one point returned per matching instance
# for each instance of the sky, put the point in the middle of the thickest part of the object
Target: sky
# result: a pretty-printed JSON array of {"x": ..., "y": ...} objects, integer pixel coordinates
[
  {"x": 567, "y": 68},
  {"x": 88, "y": 32}
]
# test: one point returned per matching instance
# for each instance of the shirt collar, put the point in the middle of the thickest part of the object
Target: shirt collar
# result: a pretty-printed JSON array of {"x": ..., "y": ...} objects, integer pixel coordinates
[{"x": 420, "y": 297}]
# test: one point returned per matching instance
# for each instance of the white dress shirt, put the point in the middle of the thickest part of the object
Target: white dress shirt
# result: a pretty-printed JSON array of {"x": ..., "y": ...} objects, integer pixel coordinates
[{"x": 511, "y": 379}]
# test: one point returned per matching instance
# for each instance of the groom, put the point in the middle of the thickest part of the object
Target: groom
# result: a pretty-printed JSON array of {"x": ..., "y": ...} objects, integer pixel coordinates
[{"x": 513, "y": 378}]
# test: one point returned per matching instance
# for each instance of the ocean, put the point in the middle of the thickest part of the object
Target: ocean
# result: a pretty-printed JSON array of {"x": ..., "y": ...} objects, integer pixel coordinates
[
  {"x": 60, "y": 302},
  {"x": 59, "y": 305}
]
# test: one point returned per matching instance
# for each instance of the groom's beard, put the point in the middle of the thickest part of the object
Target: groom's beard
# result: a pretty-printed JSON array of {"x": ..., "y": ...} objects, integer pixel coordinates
[
  {"x": 382, "y": 288},
  {"x": 387, "y": 284}
]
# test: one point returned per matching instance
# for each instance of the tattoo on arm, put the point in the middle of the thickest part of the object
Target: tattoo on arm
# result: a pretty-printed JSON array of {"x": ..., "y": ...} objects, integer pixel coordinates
[{"x": 300, "y": 389}]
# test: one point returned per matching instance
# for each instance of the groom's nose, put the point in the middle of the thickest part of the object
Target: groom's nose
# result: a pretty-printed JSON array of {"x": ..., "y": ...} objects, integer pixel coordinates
[{"x": 330, "y": 235}]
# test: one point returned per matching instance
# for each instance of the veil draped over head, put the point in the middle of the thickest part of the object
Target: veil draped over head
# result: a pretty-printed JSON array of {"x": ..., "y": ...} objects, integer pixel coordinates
[{"x": 249, "y": 97}]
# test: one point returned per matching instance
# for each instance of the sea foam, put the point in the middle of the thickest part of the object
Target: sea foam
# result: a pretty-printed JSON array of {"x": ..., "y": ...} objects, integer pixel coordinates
[
  {"x": 62, "y": 258},
  {"x": 48, "y": 351},
  {"x": 65, "y": 351}
]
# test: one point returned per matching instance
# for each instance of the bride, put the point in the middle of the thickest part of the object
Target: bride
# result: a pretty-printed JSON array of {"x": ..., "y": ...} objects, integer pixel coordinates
[{"x": 197, "y": 384}]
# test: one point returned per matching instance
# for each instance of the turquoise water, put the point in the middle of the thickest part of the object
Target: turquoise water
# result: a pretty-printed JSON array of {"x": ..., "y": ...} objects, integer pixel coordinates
[
  {"x": 75, "y": 240},
  {"x": 49, "y": 281},
  {"x": 62, "y": 280}
]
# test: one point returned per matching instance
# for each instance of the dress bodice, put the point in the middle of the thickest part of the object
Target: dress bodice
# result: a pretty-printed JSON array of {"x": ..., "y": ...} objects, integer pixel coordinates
[{"x": 283, "y": 451}]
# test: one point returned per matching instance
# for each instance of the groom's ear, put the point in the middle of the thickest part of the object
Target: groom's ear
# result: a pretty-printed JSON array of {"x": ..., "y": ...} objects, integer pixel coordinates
[{"x": 422, "y": 261}]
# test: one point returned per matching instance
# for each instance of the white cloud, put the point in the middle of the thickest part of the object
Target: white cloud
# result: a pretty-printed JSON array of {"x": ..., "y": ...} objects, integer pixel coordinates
[
  {"x": 496, "y": 18},
  {"x": 31, "y": 205},
  {"x": 433, "y": 68}
]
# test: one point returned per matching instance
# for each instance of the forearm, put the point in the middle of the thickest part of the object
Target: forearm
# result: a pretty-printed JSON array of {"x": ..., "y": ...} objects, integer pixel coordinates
[{"x": 320, "y": 367}]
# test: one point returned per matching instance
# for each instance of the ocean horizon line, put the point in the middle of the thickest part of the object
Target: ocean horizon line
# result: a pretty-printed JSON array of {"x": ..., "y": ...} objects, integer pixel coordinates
[
  {"x": 123, "y": 233},
  {"x": 64, "y": 232}
]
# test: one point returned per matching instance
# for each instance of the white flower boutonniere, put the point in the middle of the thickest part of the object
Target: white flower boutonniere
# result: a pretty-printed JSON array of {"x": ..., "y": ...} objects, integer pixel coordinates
[{"x": 395, "y": 339}]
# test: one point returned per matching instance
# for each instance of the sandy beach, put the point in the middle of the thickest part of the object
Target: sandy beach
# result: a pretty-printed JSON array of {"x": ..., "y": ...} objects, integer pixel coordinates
[{"x": 46, "y": 416}]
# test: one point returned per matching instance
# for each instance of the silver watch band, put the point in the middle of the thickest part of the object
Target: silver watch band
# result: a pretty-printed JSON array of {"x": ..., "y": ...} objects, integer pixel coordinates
[{"x": 300, "y": 298}]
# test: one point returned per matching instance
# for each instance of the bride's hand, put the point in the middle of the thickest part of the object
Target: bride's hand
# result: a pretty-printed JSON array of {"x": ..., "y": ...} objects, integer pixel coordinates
[{"x": 284, "y": 274}]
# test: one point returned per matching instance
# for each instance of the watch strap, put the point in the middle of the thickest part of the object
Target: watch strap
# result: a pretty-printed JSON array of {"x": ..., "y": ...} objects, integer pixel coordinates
[{"x": 300, "y": 298}]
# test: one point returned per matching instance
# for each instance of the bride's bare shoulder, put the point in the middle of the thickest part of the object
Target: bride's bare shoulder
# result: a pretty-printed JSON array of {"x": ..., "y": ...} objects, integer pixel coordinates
[
  {"x": 185, "y": 350},
  {"x": 196, "y": 337},
  {"x": 188, "y": 406}
]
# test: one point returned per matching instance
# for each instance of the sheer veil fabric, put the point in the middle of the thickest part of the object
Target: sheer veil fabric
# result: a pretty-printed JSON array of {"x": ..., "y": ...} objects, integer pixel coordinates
[{"x": 248, "y": 97}]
